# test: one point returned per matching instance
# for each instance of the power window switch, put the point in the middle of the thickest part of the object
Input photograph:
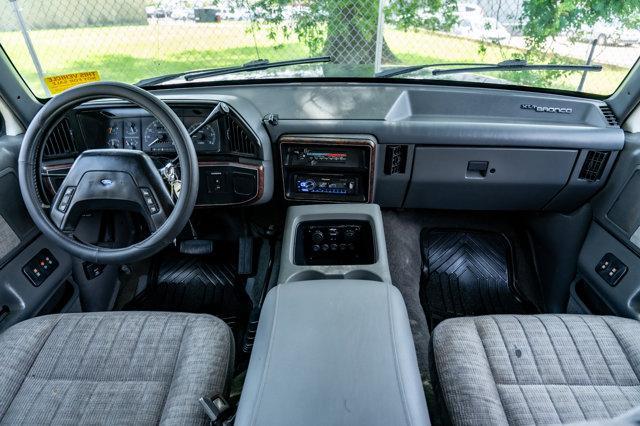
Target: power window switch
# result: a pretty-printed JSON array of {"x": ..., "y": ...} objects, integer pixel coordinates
[{"x": 611, "y": 269}]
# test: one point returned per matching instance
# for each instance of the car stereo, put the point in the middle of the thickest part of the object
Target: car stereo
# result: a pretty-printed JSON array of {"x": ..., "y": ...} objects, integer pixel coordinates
[
  {"x": 327, "y": 168},
  {"x": 321, "y": 184}
]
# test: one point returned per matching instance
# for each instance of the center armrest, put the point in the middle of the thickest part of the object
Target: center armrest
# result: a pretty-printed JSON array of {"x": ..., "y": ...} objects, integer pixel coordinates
[{"x": 336, "y": 352}]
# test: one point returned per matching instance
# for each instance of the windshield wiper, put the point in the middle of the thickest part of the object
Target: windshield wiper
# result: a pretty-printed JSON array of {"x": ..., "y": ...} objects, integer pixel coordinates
[
  {"x": 510, "y": 65},
  {"x": 257, "y": 65}
]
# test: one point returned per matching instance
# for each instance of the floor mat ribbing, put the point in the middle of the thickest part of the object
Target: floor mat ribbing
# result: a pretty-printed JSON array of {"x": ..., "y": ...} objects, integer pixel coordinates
[
  {"x": 467, "y": 273},
  {"x": 197, "y": 284}
]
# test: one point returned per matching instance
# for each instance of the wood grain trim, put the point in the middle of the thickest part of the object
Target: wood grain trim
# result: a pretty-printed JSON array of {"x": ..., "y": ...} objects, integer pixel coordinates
[
  {"x": 330, "y": 140},
  {"x": 259, "y": 169},
  {"x": 49, "y": 170}
]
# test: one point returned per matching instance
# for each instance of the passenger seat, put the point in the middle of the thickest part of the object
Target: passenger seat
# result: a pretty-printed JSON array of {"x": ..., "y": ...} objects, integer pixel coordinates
[{"x": 537, "y": 369}]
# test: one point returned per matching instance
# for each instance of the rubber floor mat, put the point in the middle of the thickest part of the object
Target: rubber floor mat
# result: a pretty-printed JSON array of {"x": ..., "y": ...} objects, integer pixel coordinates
[
  {"x": 194, "y": 284},
  {"x": 467, "y": 273}
]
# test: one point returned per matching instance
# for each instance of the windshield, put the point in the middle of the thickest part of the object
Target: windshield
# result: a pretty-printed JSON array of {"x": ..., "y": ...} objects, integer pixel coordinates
[{"x": 133, "y": 40}]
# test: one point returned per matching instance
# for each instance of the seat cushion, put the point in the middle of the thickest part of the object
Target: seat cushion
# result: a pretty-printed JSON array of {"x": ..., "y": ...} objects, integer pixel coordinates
[
  {"x": 112, "y": 367},
  {"x": 537, "y": 369}
]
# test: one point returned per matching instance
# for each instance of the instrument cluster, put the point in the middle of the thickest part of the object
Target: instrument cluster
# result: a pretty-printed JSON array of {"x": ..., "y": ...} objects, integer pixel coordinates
[{"x": 149, "y": 135}]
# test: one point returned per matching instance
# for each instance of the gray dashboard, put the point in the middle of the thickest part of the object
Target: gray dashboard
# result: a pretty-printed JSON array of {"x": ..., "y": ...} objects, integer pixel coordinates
[
  {"x": 540, "y": 143},
  {"x": 453, "y": 147}
]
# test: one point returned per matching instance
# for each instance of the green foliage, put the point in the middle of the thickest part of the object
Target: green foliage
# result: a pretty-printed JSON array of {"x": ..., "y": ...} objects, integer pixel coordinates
[
  {"x": 426, "y": 14},
  {"x": 543, "y": 19},
  {"x": 346, "y": 29}
]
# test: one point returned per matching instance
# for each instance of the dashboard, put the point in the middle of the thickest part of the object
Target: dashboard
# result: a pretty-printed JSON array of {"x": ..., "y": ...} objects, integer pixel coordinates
[
  {"x": 230, "y": 154},
  {"x": 398, "y": 145}
]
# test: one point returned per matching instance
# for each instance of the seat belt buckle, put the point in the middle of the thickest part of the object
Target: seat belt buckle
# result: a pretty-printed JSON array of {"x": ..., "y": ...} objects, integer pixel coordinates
[{"x": 216, "y": 408}]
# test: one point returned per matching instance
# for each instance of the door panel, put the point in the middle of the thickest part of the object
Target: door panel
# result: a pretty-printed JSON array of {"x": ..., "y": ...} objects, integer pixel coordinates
[
  {"x": 50, "y": 289},
  {"x": 610, "y": 257}
]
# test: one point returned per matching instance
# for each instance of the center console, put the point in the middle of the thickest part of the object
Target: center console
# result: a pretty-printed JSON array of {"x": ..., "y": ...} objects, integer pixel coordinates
[
  {"x": 333, "y": 352},
  {"x": 334, "y": 340},
  {"x": 328, "y": 241}
]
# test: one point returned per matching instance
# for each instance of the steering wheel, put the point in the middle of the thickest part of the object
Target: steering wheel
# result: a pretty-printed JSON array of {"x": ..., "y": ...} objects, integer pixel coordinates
[{"x": 109, "y": 178}]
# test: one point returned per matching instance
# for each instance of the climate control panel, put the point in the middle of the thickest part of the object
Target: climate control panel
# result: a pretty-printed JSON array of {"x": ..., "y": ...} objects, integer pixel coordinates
[{"x": 335, "y": 243}]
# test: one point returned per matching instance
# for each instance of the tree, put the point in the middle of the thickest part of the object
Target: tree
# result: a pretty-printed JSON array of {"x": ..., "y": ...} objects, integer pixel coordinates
[
  {"x": 346, "y": 29},
  {"x": 544, "y": 19}
]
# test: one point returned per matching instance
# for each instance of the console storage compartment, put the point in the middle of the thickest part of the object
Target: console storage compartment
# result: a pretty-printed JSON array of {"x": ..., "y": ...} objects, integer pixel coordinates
[
  {"x": 333, "y": 352},
  {"x": 330, "y": 241}
]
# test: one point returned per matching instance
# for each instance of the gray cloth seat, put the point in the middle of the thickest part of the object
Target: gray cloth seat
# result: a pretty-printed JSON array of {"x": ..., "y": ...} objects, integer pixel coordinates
[
  {"x": 537, "y": 369},
  {"x": 113, "y": 368}
]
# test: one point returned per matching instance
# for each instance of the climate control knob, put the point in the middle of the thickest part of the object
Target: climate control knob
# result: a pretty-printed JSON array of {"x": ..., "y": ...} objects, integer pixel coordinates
[{"x": 317, "y": 236}]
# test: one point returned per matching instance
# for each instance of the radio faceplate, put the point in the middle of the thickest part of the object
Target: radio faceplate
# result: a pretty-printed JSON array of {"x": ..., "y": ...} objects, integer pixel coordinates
[
  {"x": 323, "y": 168},
  {"x": 323, "y": 184}
]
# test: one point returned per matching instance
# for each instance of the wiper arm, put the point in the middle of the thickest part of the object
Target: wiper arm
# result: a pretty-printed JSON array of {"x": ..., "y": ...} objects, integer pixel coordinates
[
  {"x": 392, "y": 72},
  {"x": 510, "y": 65},
  {"x": 257, "y": 65},
  {"x": 519, "y": 65}
]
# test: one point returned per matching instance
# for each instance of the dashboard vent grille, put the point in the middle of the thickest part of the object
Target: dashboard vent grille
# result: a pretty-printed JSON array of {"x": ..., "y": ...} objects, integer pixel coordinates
[
  {"x": 395, "y": 160},
  {"x": 594, "y": 165},
  {"x": 609, "y": 115},
  {"x": 240, "y": 140},
  {"x": 60, "y": 142}
]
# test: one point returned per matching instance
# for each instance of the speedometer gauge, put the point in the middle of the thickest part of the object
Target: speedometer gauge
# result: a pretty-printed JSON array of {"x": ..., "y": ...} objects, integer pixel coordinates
[
  {"x": 156, "y": 136},
  {"x": 205, "y": 138}
]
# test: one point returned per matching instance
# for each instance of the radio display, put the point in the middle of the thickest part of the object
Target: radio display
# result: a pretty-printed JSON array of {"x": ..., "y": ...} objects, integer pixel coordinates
[
  {"x": 313, "y": 184},
  {"x": 335, "y": 157}
]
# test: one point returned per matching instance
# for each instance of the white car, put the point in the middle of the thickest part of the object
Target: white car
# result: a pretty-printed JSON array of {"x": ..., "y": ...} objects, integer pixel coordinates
[
  {"x": 616, "y": 34},
  {"x": 182, "y": 14},
  {"x": 481, "y": 28}
]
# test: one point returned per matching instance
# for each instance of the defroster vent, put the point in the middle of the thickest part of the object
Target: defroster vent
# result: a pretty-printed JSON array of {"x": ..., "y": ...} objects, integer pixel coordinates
[
  {"x": 609, "y": 115},
  {"x": 240, "y": 140},
  {"x": 594, "y": 165},
  {"x": 60, "y": 143}
]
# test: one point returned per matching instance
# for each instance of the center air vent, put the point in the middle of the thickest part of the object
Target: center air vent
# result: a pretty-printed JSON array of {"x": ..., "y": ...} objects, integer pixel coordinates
[
  {"x": 609, "y": 115},
  {"x": 594, "y": 165},
  {"x": 60, "y": 143},
  {"x": 240, "y": 140},
  {"x": 395, "y": 159}
]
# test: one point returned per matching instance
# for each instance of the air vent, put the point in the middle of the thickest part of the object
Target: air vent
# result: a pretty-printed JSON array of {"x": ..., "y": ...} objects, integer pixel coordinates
[
  {"x": 395, "y": 159},
  {"x": 594, "y": 165},
  {"x": 60, "y": 143},
  {"x": 240, "y": 140},
  {"x": 609, "y": 115}
]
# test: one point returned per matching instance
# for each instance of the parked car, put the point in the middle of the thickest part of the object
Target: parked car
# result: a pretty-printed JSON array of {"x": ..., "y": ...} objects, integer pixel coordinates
[
  {"x": 615, "y": 33},
  {"x": 154, "y": 12},
  {"x": 207, "y": 14},
  {"x": 183, "y": 14},
  {"x": 481, "y": 28}
]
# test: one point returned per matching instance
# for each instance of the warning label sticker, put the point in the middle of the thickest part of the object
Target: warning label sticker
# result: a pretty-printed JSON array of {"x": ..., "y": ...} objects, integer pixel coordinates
[{"x": 59, "y": 83}]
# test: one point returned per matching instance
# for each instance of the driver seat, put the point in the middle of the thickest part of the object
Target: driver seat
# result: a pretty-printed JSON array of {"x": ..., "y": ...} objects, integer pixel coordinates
[{"x": 113, "y": 367}]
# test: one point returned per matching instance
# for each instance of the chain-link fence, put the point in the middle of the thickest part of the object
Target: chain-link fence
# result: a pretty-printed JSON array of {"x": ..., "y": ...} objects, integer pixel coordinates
[{"x": 129, "y": 40}]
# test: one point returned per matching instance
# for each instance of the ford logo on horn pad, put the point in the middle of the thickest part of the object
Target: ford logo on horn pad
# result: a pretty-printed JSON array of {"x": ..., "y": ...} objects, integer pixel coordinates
[{"x": 106, "y": 182}]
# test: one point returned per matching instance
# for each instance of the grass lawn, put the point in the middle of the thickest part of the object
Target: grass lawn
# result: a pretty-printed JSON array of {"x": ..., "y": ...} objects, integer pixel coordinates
[{"x": 131, "y": 53}]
